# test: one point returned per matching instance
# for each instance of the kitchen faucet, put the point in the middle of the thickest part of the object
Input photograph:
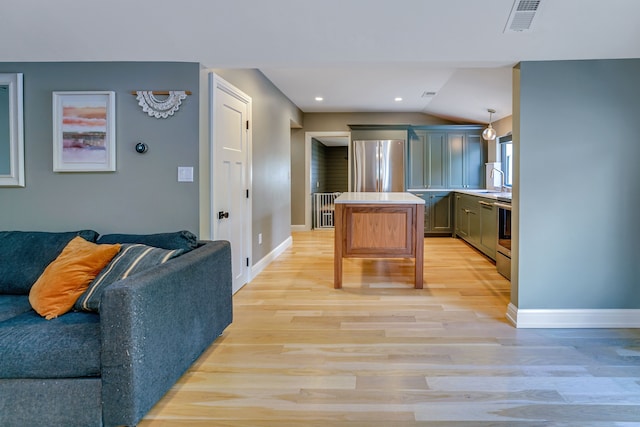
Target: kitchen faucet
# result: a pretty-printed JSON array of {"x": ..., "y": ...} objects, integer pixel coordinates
[{"x": 501, "y": 177}]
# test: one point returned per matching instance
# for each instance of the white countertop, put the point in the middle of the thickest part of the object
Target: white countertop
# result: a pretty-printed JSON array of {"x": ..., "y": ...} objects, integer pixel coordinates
[
  {"x": 489, "y": 194},
  {"x": 372, "y": 197}
]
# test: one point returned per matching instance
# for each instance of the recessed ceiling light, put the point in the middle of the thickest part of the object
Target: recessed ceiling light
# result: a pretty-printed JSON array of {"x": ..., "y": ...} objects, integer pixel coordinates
[
  {"x": 319, "y": 98},
  {"x": 397, "y": 99}
]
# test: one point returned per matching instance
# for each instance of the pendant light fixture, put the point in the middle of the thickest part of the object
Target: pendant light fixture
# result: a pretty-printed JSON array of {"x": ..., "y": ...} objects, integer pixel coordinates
[{"x": 489, "y": 133}]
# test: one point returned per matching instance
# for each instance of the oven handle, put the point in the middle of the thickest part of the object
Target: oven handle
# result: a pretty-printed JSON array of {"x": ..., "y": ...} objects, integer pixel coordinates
[{"x": 502, "y": 205}]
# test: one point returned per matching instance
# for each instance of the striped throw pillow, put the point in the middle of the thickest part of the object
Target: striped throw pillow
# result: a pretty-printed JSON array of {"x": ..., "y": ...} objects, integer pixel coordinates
[{"x": 132, "y": 259}]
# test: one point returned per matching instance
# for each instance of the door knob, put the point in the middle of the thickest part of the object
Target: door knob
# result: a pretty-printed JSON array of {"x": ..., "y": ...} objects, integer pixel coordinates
[{"x": 223, "y": 214}]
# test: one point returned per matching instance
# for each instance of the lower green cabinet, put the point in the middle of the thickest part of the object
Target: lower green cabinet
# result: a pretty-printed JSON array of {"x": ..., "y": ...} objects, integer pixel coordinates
[
  {"x": 462, "y": 223},
  {"x": 476, "y": 222},
  {"x": 488, "y": 228},
  {"x": 467, "y": 219},
  {"x": 438, "y": 215}
]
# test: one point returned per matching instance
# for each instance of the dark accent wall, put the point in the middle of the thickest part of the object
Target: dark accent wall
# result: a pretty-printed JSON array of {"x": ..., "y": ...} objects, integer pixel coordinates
[
  {"x": 577, "y": 189},
  {"x": 318, "y": 167},
  {"x": 329, "y": 168},
  {"x": 337, "y": 169},
  {"x": 143, "y": 195}
]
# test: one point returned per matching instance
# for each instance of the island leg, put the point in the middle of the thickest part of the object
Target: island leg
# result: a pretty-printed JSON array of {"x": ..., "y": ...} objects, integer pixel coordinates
[
  {"x": 337, "y": 246},
  {"x": 419, "y": 248}
]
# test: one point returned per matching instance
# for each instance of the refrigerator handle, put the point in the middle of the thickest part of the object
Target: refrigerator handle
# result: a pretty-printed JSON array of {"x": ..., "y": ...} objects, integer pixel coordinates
[
  {"x": 380, "y": 175},
  {"x": 382, "y": 166},
  {"x": 356, "y": 169}
]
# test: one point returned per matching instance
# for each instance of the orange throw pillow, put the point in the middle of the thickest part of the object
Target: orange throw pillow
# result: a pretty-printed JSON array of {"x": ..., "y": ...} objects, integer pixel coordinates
[{"x": 68, "y": 276}]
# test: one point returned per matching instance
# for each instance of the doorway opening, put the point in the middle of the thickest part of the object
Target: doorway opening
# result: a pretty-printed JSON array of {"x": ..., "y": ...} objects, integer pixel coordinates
[{"x": 327, "y": 167}]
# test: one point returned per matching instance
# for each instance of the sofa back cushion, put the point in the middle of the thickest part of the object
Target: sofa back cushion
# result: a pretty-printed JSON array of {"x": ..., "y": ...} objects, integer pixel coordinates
[
  {"x": 184, "y": 240},
  {"x": 25, "y": 254}
]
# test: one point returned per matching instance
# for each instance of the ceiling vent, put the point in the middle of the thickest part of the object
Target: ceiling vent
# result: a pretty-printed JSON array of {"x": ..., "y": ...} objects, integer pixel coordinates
[
  {"x": 522, "y": 15},
  {"x": 428, "y": 94}
]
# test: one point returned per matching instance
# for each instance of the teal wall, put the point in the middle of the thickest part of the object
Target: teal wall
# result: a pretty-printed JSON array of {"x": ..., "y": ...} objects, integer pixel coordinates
[
  {"x": 579, "y": 185},
  {"x": 5, "y": 143},
  {"x": 143, "y": 195}
]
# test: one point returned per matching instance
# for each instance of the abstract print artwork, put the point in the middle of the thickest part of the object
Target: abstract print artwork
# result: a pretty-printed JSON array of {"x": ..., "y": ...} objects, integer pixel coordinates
[{"x": 84, "y": 131}]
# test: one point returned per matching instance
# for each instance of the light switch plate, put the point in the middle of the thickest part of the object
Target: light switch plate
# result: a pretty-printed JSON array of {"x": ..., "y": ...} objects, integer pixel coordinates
[{"x": 185, "y": 173}]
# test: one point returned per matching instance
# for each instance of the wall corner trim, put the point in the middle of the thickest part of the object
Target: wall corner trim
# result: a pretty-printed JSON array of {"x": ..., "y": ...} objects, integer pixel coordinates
[
  {"x": 270, "y": 257},
  {"x": 573, "y": 318}
]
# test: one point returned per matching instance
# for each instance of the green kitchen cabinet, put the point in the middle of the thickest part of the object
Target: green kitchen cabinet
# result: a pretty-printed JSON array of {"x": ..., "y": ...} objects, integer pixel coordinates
[
  {"x": 435, "y": 151},
  {"x": 438, "y": 215},
  {"x": 441, "y": 218},
  {"x": 488, "y": 228},
  {"x": 476, "y": 222},
  {"x": 473, "y": 217},
  {"x": 467, "y": 218},
  {"x": 444, "y": 157},
  {"x": 416, "y": 166},
  {"x": 460, "y": 214},
  {"x": 427, "y": 157},
  {"x": 465, "y": 160},
  {"x": 427, "y": 215}
]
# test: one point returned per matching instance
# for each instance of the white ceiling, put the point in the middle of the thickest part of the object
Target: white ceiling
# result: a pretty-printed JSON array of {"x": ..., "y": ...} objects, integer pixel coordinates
[{"x": 358, "y": 54}]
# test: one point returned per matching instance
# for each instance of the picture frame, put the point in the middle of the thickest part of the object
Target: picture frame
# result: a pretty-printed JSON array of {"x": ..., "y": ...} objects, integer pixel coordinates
[{"x": 84, "y": 137}]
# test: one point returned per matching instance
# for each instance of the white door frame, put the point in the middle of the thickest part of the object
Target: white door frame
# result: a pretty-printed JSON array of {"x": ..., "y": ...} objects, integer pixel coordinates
[
  {"x": 308, "y": 136},
  {"x": 215, "y": 81}
]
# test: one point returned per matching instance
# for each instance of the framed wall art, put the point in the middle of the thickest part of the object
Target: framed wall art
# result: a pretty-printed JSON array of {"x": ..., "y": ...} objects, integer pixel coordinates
[{"x": 84, "y": 137}]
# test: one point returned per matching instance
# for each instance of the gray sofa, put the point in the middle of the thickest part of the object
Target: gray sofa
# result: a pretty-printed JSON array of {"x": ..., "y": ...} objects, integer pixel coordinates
[{"x": 107, "y": 368}]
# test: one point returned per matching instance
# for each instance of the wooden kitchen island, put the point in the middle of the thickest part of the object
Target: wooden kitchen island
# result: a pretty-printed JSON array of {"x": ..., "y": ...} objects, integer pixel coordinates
[{"x": 378, "y": 225}]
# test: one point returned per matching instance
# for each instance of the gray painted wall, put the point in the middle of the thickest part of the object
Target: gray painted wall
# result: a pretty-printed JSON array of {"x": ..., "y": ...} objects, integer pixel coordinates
[
  {"x": 337, "y": 122},
  {"x": 272, "y": 114},
  {"x": 579, "y": 184},
  {"x": 143, "y": 195}
]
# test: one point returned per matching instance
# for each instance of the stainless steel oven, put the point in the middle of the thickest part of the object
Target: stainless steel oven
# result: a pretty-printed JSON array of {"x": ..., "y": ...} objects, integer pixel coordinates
[{"x": 503, "y": 247}]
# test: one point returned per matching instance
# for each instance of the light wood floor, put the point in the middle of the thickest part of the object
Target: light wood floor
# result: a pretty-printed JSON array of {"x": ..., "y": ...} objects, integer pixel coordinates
[{"x": 380, "y": 353}]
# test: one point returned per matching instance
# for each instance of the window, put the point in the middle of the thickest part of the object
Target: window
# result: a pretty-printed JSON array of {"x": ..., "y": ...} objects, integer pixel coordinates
[{"x": 506, "y": 151}]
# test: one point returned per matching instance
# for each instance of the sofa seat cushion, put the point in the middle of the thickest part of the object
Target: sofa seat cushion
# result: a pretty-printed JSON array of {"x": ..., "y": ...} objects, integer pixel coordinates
[
  {"x": 25, "y": 254},
  {"x": 64, "y": 347},
  {"x": 13, "y": 305}
]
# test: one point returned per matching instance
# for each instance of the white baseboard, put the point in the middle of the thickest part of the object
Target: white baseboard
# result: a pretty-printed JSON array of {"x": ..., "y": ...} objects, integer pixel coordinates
[
  {"x": 573, "y": 318},
  {"x": 268, "y": 259},
  {"x": 300, "y": 228}
]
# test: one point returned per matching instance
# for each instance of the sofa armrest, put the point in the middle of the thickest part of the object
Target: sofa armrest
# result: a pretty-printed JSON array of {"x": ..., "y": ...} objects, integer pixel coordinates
[{"x": 155, "y": 324}]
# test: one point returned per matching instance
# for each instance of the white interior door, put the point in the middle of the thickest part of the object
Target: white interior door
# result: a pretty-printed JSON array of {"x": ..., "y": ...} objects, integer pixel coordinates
[{"x": 231, "y": 166}]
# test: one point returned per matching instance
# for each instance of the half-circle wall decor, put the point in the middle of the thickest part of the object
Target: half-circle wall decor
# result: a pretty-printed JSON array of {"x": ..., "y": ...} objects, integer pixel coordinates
[{"x": 160, "y": 108}]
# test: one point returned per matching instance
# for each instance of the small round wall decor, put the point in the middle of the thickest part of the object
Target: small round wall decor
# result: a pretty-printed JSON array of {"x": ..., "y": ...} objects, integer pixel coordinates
[{"x": 163, "y": 107}]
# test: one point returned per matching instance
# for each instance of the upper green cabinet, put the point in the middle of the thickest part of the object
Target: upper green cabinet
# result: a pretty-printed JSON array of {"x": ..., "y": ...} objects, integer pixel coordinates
[
  {"x": 466, "y": 160},
  {"x": 449, "y": 157}
]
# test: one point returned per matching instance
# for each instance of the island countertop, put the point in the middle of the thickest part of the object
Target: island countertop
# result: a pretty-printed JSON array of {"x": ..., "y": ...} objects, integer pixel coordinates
[{"x": 374, "y": 197}]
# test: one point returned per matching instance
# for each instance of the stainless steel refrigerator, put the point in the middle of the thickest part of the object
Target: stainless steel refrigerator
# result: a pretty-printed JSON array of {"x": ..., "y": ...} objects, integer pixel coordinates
[{"x": 378, "y": 165}]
